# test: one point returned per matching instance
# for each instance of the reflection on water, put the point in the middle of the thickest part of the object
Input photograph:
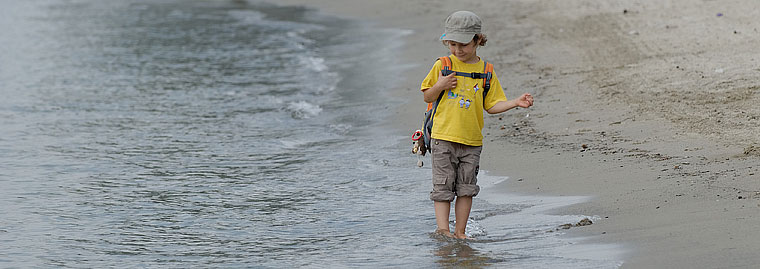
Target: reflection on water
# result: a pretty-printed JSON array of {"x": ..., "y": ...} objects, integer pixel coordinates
[{"x": 453, "y": 253}]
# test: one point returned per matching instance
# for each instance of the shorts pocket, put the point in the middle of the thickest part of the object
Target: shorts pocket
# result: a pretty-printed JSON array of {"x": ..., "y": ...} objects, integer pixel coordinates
[{"x": 442, "y": 166}]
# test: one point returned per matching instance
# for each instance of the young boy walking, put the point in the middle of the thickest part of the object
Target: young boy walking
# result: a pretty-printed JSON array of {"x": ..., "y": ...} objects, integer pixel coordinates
[{"x": 456, "y": 138}]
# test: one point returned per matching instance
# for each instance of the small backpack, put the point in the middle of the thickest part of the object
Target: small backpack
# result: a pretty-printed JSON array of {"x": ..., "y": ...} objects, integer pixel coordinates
[{"x": 427, "y": 127}]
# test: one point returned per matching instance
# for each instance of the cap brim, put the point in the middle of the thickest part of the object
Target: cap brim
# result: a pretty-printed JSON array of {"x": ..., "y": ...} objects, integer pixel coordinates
[{"x": 463, "y": 38}]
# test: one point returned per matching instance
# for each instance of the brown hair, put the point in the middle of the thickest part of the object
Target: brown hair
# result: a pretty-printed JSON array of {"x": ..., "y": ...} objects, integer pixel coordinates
[{"x": 480, "y": 39}]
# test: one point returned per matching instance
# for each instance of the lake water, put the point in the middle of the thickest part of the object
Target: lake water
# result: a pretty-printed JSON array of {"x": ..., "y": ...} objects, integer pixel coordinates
[{"x": 177, "y": 134}]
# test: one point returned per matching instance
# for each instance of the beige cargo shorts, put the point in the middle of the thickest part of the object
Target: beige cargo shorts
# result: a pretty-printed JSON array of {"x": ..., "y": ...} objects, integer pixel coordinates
[{"x": 455, "y": 170}]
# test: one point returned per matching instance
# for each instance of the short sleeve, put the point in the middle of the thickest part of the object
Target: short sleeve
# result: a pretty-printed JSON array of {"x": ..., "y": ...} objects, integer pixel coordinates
[
  {"x": 432, "y": 76},
  {"x": 495, "y": 94}
]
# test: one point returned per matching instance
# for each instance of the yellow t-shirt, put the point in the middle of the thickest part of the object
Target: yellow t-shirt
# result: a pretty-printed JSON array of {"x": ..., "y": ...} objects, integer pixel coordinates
[{"x": 459, "y": 117}]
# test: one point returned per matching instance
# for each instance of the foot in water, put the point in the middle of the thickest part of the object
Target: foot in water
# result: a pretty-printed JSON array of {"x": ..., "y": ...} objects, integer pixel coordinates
[
  {"x": 461, "y": 236},
  {"x": 444, "y": 233}
]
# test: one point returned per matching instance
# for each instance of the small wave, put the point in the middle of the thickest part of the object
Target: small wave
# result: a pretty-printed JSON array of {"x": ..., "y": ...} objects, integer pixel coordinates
[
  {"x": 487, "y": 180},
  {"x": 252, "y": 17},
  {"x": 303, "y": 110},
  {"x": 474, "y": 229},
  {"x": 269, "y": 99},
  {"x": 316, "y": 64},
  {"x": 341, "y": 129},
  {"x": 294, "y": 143},
  {"x": 316, "y": 69},
  {"x": 248, "y": 16}
]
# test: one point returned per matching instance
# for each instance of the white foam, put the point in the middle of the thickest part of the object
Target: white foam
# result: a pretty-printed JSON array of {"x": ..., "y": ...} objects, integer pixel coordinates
[
  {"x": 474, "y": 229},
  {"x": 251, "y": 17},
  {"x": 303, "y": 109},
  {"x": 486, "y": 181},
  {"x": 294, "y": 143},
  {"x": 316, "y": 64}
]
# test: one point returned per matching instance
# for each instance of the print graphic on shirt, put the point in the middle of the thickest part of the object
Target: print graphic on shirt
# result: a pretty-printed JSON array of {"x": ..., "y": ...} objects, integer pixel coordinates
[
  {"x": 465, "y": 100},
  {"x": 464, "y": 103},
  {"x": 452, "y": 95}
]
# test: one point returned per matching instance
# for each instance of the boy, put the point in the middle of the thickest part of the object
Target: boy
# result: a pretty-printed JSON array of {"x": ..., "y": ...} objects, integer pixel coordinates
[{"x": 456, "y": 139}]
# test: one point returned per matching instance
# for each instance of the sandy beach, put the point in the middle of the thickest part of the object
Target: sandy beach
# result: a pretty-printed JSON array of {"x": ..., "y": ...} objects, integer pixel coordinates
[{"x": 649, "y": 107}]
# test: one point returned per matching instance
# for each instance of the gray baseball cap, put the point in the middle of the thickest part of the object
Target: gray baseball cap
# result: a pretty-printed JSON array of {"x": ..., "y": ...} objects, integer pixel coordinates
[{"x": 461, "y": 26}]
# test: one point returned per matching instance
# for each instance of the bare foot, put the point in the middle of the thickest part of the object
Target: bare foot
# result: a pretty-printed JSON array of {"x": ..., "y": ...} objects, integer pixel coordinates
[
  {"x": 462, "y": 236},
  {"x": 444, "y": 233}
]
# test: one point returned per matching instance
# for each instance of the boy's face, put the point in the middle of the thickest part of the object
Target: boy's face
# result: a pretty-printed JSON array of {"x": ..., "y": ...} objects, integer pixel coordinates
[{"x": 464, "y": 52}]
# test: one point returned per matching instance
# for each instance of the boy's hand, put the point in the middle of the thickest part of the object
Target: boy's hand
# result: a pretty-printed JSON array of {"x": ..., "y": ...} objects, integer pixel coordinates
[
  {"x": 447, "y": 82},
  {"x": 525, "y": 101}
]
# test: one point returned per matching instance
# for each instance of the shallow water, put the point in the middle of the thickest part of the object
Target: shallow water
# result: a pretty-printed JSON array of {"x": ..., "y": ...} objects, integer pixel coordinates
[{"x": 222, "y": 133}]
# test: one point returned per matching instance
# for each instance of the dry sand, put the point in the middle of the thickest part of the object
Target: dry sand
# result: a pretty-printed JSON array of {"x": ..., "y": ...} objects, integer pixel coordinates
[{"x": 650, "y": 107}]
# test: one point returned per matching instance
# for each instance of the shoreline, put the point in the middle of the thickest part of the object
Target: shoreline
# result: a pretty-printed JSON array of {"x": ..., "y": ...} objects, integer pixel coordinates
[{"x": 646, "y": 107}]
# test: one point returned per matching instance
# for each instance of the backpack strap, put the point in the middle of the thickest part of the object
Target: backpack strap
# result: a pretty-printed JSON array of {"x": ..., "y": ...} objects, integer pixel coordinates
[
  {"x": 445, "y": 65},
  {"x": 446, "y": 69},
  {"x": 488, "y": 70}
]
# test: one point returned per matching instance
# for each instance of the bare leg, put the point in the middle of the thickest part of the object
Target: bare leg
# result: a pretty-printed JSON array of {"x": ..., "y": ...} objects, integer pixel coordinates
[
  {"x": 442, "y": 217},
  {"x": 462, "y": 212}
]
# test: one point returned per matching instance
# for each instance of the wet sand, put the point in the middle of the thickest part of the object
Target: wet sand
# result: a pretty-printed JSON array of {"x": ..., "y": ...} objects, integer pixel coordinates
[{"x": 649, "y": 107}]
